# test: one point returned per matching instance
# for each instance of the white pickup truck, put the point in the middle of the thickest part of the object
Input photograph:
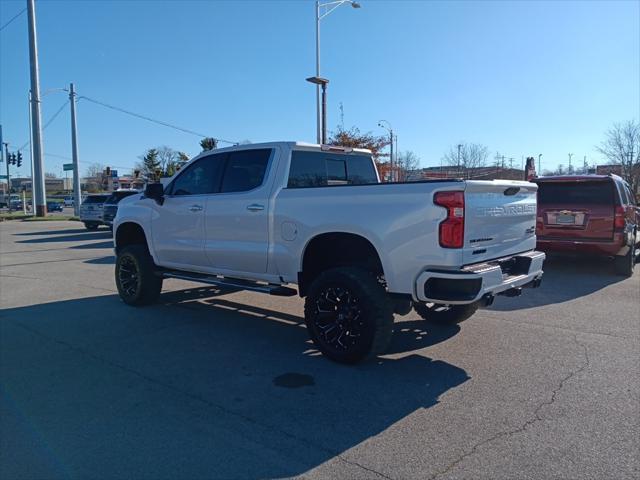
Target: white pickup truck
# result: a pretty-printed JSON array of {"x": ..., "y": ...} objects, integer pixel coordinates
[{"x": 267, "y": 216}]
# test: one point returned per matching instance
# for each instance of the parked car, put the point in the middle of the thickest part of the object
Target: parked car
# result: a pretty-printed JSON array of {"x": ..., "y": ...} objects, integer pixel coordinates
[
  {"x": 54, "y": 206},
  {"x": 589, "y": 215},
  {"x": 91, "y": 211},
  {"x": 111, "y": 205},
  {"x": 262, "y": 217},
  {"x": 68, "y": 201}
]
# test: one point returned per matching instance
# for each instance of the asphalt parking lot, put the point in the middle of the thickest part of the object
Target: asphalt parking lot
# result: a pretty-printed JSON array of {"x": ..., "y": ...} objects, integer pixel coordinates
[{"x": 219, "y": 384}]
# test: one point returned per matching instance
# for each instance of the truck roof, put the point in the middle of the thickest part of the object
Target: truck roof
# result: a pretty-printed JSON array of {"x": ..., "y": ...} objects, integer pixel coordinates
[{"x": 290, "y": 144}]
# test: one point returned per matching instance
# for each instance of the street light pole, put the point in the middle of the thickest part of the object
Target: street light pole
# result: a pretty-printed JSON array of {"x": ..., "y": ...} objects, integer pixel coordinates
[
  {"x": 322, "y": 82},
  {"x": 320, "y": 120},
  {"x": 39, "y": 199},
  {"x": 390, "y": 130},
  {"x": 539, "y": 164}
]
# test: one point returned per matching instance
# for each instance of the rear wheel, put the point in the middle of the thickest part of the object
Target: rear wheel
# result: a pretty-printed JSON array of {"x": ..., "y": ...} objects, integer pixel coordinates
[
  {"x": 136, "y": 278},
  {"x": 348, "y": 314},
  {"x": 90, "y": 225},
  {"x": 449, "y": 314},
  {"x": 624, "y": 265}
]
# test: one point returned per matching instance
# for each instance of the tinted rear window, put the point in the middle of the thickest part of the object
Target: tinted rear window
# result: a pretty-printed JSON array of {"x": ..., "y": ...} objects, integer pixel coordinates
[
  {"x": 320, "y": 169},
  {"x": 572, "y": 193},
  {"x": 96, "y": 199},
  {"x": 117, "y": 196}
]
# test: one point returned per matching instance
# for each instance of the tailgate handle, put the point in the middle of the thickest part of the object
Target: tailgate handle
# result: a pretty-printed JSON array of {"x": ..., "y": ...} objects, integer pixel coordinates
[{"x": 511, "y": 191}]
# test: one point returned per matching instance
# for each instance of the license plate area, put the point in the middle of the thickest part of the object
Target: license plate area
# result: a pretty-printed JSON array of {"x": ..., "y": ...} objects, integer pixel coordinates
[{"x": 566, "y": 219}]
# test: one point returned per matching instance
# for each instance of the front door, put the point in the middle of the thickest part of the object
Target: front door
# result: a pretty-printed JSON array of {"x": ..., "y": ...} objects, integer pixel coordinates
[{"x": 178, "y": 224}]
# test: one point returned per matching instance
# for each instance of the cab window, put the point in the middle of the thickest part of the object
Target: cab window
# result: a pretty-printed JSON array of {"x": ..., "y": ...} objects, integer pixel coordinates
[{"x": 200, "y": 178}]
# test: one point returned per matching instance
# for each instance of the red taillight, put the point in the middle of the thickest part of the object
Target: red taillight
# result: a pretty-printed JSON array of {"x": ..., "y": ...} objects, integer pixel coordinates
[
  {"x": 451, "y": 233},
  {"x": 619, "y": 218}
]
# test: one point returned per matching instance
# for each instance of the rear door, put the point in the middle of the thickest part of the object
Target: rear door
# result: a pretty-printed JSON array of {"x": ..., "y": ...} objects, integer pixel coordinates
[
  {"x": 576, "y": 210},
  {"x": 237, "y": 218},
  {"x": 500, "y": 219}
]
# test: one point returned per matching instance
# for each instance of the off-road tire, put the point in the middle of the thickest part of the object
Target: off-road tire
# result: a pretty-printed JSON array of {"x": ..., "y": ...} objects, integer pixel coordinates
[
  {"x": 623, "y": 265},
  {"x": 365, "y": 327},
  {"x": 135, "y": 261},
  {"x": 91, "y": 226},
  {"x": 445, "y": 314}
]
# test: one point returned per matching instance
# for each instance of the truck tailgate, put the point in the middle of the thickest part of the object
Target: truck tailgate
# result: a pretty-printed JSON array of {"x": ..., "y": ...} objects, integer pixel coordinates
[{"x": 500, "y": 219}]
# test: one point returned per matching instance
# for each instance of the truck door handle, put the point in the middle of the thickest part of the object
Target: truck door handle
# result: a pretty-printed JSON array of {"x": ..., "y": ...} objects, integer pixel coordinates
[
  {"x": 195, "y": 208},
  {"x": 254, "y": 207}
]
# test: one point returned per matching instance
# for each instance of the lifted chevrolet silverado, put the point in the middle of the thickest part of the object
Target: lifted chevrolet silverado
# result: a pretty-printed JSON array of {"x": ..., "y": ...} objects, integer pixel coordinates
[{"x": 264, "y": 217}]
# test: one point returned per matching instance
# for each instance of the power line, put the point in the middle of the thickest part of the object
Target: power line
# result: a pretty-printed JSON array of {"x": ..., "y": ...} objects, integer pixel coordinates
[
  {"x": 12, "y": 19},
  {"x": 53, "y": 117},
  {"x": 149, "y": 119}
]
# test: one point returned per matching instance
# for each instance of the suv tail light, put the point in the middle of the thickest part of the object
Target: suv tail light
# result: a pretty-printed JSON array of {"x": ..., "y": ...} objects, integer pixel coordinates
[
  {"x": 619, "y": 218},
  {"x": 451, "y": 230}
]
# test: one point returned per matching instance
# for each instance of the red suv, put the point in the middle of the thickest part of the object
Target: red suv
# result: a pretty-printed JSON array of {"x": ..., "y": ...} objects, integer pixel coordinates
[{"x": 589, "y": 214}]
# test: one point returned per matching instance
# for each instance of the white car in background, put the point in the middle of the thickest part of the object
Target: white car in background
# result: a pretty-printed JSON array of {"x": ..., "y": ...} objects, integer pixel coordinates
[{"x": 68, "y": 201}]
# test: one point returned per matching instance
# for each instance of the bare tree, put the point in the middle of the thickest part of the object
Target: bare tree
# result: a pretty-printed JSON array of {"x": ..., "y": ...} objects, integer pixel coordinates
[
  {"x": 467, "y": 156},
  {"x": 168, "y": 159},
  {"x": 94, "y": 170},
  {"x": 621, "y": 146},
  {"x": 406, "y": 162}
]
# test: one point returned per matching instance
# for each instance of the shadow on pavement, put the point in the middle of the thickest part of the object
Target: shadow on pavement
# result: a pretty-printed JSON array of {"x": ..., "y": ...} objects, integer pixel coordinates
[
  {"x": 93, "y": 245},
  {"x": 197, "y": 386},
  {"x": 110, "y": 260},
  {"x": 86, "y": 235},
  {"x": 59, "y": 232},
  {"x": 565, "y": 278}
]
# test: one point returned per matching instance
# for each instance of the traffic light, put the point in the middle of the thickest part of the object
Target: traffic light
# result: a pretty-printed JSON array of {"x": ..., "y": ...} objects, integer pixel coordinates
[
  {"x": 19, "y": 164},
  {"x": 12, "y": 159},
  {"x": 136, "y": 173},
  {"x": 108, "y": 171}
]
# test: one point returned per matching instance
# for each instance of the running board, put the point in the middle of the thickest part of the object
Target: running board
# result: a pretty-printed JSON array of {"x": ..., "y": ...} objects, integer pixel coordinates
[{"x": 238, "y": 283}]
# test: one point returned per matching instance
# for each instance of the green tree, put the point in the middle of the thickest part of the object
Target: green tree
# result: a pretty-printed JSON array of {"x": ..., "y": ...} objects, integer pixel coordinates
[{"x": 150, "y": 163}]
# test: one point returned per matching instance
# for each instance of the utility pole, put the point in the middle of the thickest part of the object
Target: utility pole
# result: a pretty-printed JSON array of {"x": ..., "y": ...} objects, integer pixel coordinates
[
  {"x": 459, "y": 147},
  {"x": 2, "y": 152},
  {"x": 39, "y": 198},
  {"x": 77, "y": 196},
  {"x": 511, "y": 163},
  {"x": 6, "y": 157},
  {"x": 33, "y": 180}
]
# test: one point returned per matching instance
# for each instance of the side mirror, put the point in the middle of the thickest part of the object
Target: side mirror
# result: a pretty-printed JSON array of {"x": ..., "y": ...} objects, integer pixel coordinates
[{"x": 155, "y": 191}]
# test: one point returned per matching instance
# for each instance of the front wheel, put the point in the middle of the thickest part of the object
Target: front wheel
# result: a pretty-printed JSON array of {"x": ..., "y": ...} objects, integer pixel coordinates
[
  {"x": 624, "y": 265},
  {"x": 348, "y": 314},
  {"x": 136, "y": 279},
  {"x": 447, "y": 314}
]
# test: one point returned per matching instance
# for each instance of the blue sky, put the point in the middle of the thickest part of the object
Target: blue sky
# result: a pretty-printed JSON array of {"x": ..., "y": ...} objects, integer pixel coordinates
[{"x": 520, "y": 77}]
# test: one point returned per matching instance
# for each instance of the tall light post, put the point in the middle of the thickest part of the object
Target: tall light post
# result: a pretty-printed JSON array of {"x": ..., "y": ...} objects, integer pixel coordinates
[
  {"x": 320, "y": 14},
  {"x": 389, "y": 129},
  {"x": 322, "y": 82},
  {"x": 459, "y": 148}
]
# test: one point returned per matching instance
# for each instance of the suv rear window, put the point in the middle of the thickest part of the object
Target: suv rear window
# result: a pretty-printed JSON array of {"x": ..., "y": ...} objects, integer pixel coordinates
[
  {"x": 96, "y": 199},
  {"x": 572, "y": 193},
  {"x": 321, "y": 169},
  {"x": 115, "y": 197}
]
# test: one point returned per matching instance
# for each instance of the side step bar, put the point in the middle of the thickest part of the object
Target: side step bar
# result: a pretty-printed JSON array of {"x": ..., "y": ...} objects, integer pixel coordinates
[{"x": 238, "y": 283}]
